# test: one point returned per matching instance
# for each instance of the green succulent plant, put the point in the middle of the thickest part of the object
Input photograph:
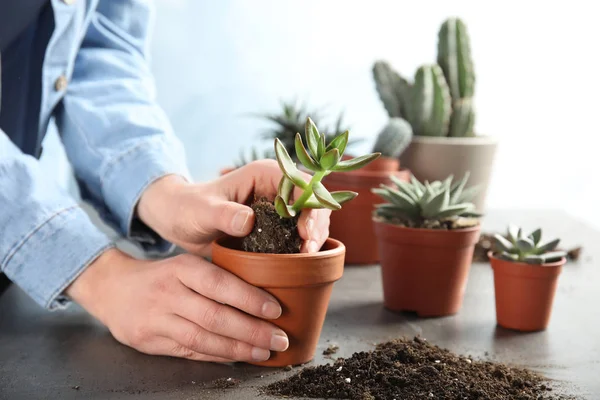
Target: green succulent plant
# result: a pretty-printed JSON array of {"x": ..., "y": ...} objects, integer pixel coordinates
[
  {"x": 518, "y": 247},
  {"x": 417, "y": 204},
  {"x": 439, "y": 100},
  {"x": 321, "y": 158},
  {"x": 291, "y": 119}
]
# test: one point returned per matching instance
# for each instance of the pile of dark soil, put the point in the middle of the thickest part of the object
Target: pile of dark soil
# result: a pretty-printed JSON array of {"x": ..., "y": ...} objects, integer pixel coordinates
[
  {"x": 413, "y": 369},
  {"x": 271, "y": 233}
]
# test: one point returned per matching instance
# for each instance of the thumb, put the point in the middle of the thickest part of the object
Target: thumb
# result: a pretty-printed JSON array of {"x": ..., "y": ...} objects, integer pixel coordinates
[{"x": 233, "y": 218}]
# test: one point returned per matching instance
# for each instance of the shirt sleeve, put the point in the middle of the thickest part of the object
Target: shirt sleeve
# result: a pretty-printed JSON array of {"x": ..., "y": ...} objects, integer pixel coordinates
[
  {"x": 116, "y": 136},
  {"x": 46, "y": 239}
]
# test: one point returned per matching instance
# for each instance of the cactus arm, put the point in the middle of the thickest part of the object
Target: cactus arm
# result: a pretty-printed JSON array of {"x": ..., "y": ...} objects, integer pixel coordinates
[
  {"x": 454, "y": 56},
  {"x": 431, "y": 105},
  {"x": 394, "y": 138},
  {"x": 463, "y": 119},
  {"x": 392, "y": 88}
]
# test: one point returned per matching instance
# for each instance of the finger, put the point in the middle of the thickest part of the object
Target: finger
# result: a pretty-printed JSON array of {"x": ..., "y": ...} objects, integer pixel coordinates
[
  {"x": 163, "y": 346},
  {"x": 231, "y": 218},
  {"x": 199, "y": 340},
  {"x": 217, "y": 284},
  {"x": 258, "y": 177},
  {"x": 313, "y": 227},
  {"x": 229, "y": 322}
]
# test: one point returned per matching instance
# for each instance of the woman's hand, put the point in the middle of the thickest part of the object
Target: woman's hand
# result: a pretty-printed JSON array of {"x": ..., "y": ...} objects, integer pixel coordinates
[
  {"x": 182, "y": 307},
  {"x": 193, "y": 215}
]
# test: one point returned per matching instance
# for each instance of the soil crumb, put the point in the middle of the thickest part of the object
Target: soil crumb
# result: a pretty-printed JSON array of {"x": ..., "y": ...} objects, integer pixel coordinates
[
  {"x": 332, "y": 349},
  {"x": 414, "y": 369},
  {"x": 271, "y": 233},
  {"x": 225, "y": 383}
]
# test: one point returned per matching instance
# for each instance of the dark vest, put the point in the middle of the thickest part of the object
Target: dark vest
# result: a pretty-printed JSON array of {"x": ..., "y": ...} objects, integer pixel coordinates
[{"x": 25, "y": 30}]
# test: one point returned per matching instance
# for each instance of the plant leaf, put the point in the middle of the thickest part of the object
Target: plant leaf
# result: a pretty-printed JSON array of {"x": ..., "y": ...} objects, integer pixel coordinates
[
  {"x": 287, "y": 166},
  {"x": 321, "y": 146},
  {"x": 283, "y": 209},
  {"x": 418, "y": 185},
  {"x": 324, "y": 197},
  {"x": 330, "y": 159},
  {"x": 392, "y": 210},
  {"x": 437, "y": 204},
  {"x": 525, "y": 245},
  {"x": 468, "y": 194},
  {"x": 343, "y": 196},
  {"x": 546, "y": 247},
  {"x": 355, "y": 163},
  {"x": 405, "y": 188},
  {"x": 285, "y": 189},
  {"x": 303, "y": 155},
  {"x": 552, "y": 256},
  {"x": 312, "y": 137},
  {"x": 457, "y": 188},
  {"x": 535, "y": 236},
  {"x": 503, "y": 244},
  {"x": 513, "y": 233},
  {"x": 340, "y": 143},
  {"x": 451, "y": 211}
]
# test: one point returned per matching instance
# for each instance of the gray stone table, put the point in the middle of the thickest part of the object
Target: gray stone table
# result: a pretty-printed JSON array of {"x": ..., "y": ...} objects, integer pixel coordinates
[{"x": 45, "y": 355}]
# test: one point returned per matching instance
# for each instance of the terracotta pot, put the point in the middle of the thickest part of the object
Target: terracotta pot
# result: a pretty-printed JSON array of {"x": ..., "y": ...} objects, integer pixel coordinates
[
  {"x": 524, "y": 293},
  {"x": 302, "y": 284},
  {"x": 425, "y": 270},
  {"x": 352, "y": 224},
  {"x": 435, "y": 158}
]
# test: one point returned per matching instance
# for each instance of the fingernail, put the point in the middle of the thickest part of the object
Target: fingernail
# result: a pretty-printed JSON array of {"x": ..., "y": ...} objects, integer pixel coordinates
[
  {"x": 271, "y": 310},
  {"x": 240, "y": 220},
  {"x": 259, "y": 354},
  {"x": 312, "y": 246},
  {"x": 279, "y": 341},
  {"x": 310, "y": 224}
]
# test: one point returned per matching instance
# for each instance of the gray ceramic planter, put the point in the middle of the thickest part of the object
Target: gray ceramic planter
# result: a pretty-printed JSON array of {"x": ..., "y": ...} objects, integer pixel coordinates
[{"x": 435, "y": 158}]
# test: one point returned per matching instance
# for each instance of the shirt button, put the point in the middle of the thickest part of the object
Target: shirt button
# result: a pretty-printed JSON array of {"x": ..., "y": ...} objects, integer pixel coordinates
[
  {"x": 68, "y": 2},
  {"x": 60, "y": 84}
]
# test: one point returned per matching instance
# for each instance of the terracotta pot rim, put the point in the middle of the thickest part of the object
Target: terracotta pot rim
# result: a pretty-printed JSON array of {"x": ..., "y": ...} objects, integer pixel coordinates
[
  {"x": 337, "y": 248},
  {"x": 453, "y": 141},
  {"x": 427, "y": 230},
  {"x": 558, "y": 263}
]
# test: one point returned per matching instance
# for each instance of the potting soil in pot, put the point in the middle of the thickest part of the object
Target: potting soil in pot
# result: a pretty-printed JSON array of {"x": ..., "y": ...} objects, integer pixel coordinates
[
  {"x": 271, "y": 233},
  {"x": 413, "y": 369}
]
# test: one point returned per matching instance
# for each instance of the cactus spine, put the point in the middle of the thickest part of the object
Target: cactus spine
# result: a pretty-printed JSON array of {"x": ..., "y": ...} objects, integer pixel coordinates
[
  {"x": 454, "y": 56},
  {"x": 430, "y": 105},
  {"x": 392, "y": 88},
  {"x": 394, "y": 138}
]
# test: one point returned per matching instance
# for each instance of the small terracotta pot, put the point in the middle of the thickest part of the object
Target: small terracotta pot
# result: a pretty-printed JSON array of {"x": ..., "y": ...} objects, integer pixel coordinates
[
  {"x": 425, "y": 270},
  {"x": 352, "y": 224},
  {"x": 524, "y": 293},
  {"x": 302, "y": 284}
]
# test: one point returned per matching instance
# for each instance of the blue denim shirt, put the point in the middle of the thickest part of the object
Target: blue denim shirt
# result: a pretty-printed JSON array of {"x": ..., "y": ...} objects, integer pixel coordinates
[{"x": 97, "y": 85}]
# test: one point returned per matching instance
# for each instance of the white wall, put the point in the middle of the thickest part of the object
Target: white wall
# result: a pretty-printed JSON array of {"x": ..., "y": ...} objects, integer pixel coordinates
[{"x": 537, "y": 88}]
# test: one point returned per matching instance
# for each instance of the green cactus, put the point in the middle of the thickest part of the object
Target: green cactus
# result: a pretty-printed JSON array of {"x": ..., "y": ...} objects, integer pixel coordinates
[
  {"x": 427, "y": 205},
  {"x": 394, "y": 138},
  {"x": 454, "y": 56},
  {"x": 430, "y": 106},
  {"x": 462, "y": 119},
  {"x": 393, "y": 89},
  {"x": 528, "y": 249}
]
